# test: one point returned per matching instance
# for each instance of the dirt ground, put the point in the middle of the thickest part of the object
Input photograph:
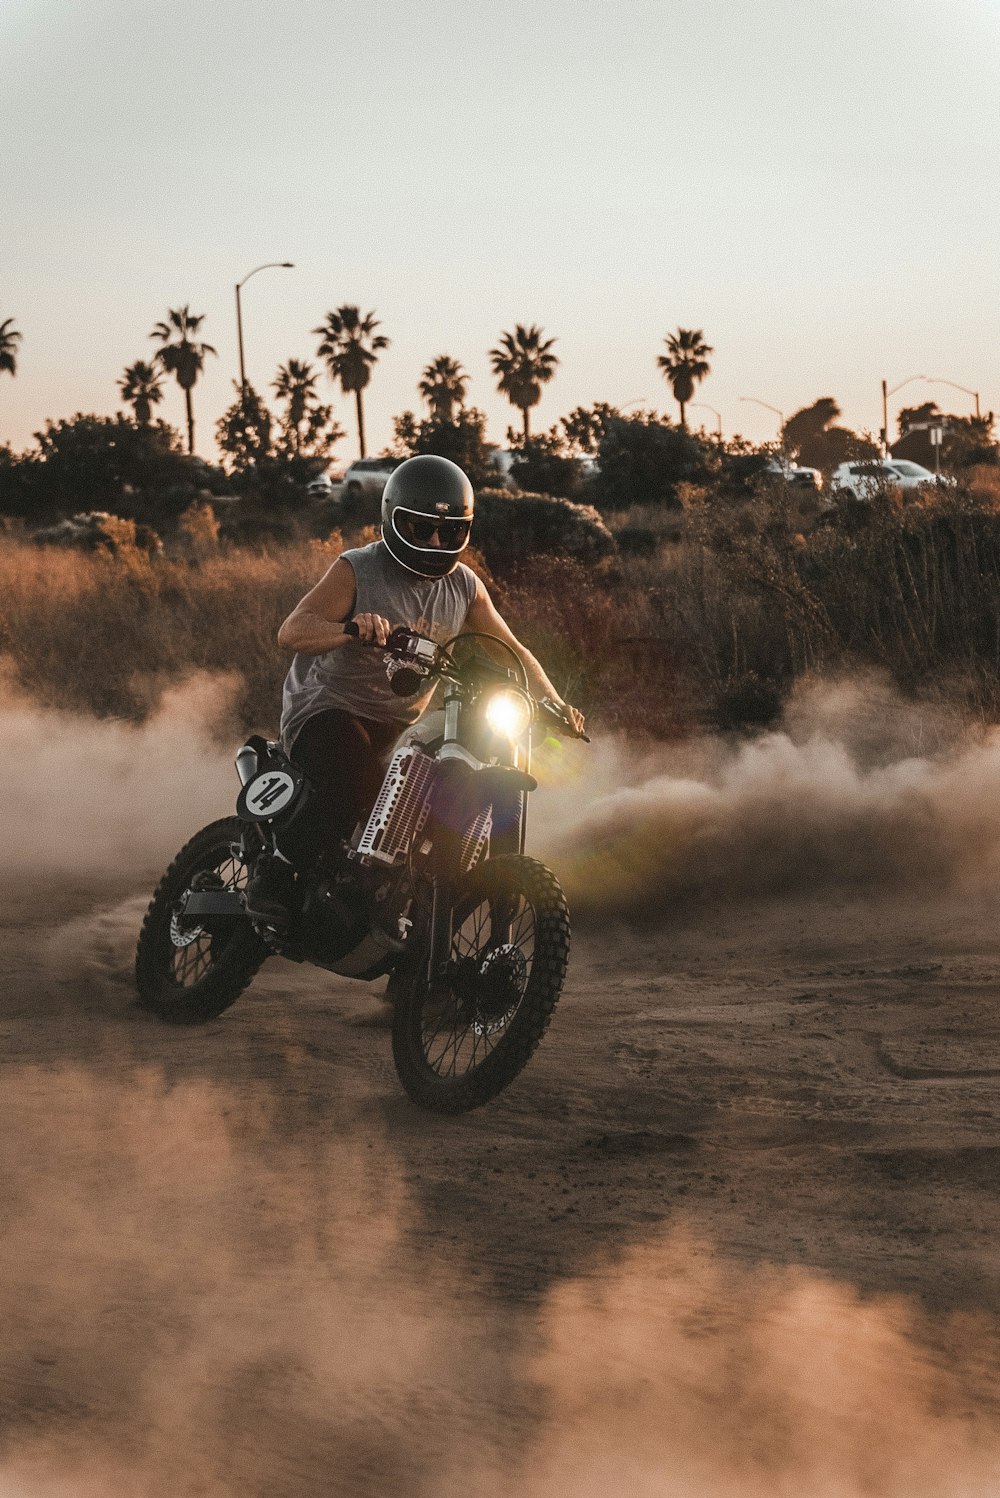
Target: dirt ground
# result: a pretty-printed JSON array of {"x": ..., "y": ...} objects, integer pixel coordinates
[{"x": 238, "y": 1260}]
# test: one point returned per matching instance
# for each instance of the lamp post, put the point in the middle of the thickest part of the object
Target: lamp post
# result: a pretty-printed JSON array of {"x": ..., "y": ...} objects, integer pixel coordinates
[
  {"x": 936, "y": 380},
  {"x": 886, "y": 392},
  {"x": 701, "y": 406},
  {"x": 271, "y": 265},
  {"x": 767, "y": 407}
]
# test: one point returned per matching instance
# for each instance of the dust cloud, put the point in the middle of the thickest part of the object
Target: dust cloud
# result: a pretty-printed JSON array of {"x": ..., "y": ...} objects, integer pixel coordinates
[
  {"x": 100, "y": 798},
  {"x": 671, "y": 1371},
  {"x": 197, "y": 1299},
  {"x": 212, "y": 1289},
  {"x": 856, "y": 790}
]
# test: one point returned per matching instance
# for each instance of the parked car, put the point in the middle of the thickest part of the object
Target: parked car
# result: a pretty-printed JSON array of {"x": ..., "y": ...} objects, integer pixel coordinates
[
  {"x": 366, "y": 479},
  {"x": 794, "y": 473},
  {"x": 911, "y": 474},
  {"x": 503, "y": 460},
  {"x": 864, "y": 480}
]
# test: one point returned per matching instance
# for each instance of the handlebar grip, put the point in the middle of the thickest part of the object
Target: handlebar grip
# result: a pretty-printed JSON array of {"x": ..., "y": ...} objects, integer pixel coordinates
[
  {"x": 559, "y": 717},
  {"x": 350, "y": 628}
]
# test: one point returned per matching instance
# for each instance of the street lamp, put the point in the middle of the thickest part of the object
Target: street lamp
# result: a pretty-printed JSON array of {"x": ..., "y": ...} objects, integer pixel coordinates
[
  {"x": 701, "y": 406},
  {"x": 936, "y": 380},
  {"x": 755, "y": 402},
  {"x": 910, "y": 380},
  {"x": 271, "y": 265}
]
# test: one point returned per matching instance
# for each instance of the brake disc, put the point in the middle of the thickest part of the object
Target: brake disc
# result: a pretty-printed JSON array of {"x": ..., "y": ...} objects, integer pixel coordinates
[
  {"x": 181, "y": 934},
  {"x": 502, "y": 977}
]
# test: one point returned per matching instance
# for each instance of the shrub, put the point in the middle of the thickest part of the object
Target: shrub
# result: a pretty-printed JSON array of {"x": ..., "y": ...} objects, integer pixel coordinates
[
  {"x": 545, "y": 465},
  {"x": 198, "y": 529},
  {"x": 95, "y": 633},
  {"x": 96, "y": 530},
  {"x": 643, "y": 458},
  {"x": 513, "y": 528},
  {"x": 105, "y": 463},
  {"x": 463, "y": 440}
]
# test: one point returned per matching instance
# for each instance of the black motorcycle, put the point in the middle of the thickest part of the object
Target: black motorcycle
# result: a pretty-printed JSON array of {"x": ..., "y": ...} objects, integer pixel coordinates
[{"x": 434, "y": 889}]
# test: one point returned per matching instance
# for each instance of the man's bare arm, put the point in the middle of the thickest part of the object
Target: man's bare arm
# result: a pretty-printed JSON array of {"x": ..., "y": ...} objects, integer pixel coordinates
[
  {"x": 316, "y": 624},
  {"x": 483, "y": 617}
]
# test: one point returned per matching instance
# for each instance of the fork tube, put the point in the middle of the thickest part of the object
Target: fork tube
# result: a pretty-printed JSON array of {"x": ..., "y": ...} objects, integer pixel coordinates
[
  {"x": 440, "y": 943},
  {"x": 451, "y": 714},
  {"x": 523, "y": 795}
]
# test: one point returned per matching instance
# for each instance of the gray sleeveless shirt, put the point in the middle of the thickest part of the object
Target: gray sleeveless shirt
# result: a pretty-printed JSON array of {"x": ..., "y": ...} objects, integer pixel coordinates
[{"x": 352, "y": 677}]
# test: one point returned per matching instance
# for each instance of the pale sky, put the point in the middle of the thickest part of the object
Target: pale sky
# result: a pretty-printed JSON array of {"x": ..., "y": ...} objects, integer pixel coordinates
[{"x": 811, "y": 182}]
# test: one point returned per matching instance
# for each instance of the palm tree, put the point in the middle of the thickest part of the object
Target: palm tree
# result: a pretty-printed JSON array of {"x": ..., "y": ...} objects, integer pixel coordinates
[
  {"x": 296, "y": 384},
  {"x": 524, "y": 363},
  {"x": 350, "y": 346},
  {"x": 141, "y": 389},
  {"x": 184, "y": 358},
  {"x": 9, "y": 340},
  {"x": 685, "y": 364},
  {"x": 442, "y": 386}
]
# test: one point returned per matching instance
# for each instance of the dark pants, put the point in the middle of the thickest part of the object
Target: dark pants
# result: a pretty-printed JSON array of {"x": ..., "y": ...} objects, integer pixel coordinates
[{"x": 344, "y": 759}]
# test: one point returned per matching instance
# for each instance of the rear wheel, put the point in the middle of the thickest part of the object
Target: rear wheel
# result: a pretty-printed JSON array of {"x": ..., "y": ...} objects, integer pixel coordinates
[
  {"x": 457, "y": 1049},
  {"x": 189, "y": 969}
]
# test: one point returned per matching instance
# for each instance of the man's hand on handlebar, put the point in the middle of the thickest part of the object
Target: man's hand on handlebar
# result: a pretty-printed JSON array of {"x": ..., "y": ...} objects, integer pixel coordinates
[
  {"x": 571, "y": 716},
  {"x": 370, "y": 629},
  {"x": 575, "y": 716}
]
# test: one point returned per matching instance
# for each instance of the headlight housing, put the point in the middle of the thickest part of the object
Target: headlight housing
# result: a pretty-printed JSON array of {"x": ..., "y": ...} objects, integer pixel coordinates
[{"x": 508, "y": 713}]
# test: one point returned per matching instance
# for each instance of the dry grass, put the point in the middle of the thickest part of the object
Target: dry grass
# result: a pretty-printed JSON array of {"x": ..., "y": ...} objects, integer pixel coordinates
[
  {"x": 711, "y": 631},
  {"x": 105, "y": 635}
]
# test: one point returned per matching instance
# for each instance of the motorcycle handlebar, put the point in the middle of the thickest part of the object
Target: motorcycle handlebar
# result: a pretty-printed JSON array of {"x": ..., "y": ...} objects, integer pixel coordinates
[
  {"x": 401, "y": 636},
  {"x": 560, "y": 720}
]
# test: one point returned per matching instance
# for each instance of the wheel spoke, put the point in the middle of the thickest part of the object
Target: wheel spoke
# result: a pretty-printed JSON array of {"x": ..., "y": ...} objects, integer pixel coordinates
[
  {"x": 460, "y": 1031},
  {"x": 223, "y": 868}
]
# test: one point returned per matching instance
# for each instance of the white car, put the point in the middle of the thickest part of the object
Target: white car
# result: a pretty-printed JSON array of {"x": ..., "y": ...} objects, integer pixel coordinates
[
  {"x": 912, "y": 475},
  {"x": 870, "y": 477},
  {"x": 367, "y": 478}
]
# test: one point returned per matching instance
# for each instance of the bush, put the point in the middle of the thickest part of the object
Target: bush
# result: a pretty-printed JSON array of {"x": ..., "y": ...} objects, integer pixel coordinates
[
  {"x": 105, "y": 463},
  {"x": 463, "y": 440},
  {"x": 511, "y": 529},
  {"x": 710, "y": 632},
  {"x": 643, "y": 459},
  {"x": 96, "y": 530},
  {"x": 601, "y": 641},
  {"x": 544, "y": 465}
]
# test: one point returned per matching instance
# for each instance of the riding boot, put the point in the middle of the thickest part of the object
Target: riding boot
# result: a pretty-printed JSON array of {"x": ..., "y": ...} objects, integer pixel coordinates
[{"x": 271, "y": 890}]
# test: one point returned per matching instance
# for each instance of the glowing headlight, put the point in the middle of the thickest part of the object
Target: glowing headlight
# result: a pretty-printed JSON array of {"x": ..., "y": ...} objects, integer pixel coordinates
[{"x": 509, "y": 714}]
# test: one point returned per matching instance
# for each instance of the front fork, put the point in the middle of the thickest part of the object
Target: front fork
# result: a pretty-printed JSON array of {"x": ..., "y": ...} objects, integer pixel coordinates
[
  {"x": 439, "y": 954},
  {"x": 458, "y": 796}
]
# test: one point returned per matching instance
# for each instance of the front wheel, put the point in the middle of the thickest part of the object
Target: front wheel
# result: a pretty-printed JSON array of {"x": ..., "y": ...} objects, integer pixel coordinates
[
  {"x": 457, "y": 1049},
  {"x": 189, "y": 969}
]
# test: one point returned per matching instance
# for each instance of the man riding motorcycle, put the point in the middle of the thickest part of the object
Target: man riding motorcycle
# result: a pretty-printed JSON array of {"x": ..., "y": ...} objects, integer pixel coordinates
[{"x": 340, "y": 715}]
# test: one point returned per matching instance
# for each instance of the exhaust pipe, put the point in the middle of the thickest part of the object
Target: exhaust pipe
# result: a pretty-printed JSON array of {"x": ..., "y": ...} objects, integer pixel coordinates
[{"x": 246, "y": 764}]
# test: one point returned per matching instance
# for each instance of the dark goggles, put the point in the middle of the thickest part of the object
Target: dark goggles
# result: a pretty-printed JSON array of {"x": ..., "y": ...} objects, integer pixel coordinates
[{"x": 420, "y": 530}]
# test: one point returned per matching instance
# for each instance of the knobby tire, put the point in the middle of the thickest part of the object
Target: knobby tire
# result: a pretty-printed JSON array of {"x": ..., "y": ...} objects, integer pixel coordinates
[{"x": 234, "y": 952}]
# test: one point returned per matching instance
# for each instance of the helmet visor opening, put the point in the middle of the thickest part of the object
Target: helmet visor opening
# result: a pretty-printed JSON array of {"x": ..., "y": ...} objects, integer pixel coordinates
[{"x": 420, "y": 530}]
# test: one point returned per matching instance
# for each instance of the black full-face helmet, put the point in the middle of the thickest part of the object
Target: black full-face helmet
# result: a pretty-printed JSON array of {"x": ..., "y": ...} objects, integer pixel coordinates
[{"x": 424, "y": 496}]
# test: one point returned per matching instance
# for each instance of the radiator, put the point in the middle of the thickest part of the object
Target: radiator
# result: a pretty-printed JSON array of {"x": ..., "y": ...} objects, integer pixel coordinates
[{"x": 401, "y": 808}]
